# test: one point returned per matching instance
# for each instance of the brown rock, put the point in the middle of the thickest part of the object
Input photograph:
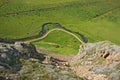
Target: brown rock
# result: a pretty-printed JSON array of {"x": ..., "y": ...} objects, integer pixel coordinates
[
  {"x": 109, "y": 60},
  {"x": 102, "y": 52},
  {"x": 117, "y": 57}
]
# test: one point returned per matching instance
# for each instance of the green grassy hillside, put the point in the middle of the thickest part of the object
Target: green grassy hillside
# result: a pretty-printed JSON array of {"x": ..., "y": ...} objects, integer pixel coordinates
[
  {"x": 59, "y": 42},
  {"x": 97, "y": 19}
]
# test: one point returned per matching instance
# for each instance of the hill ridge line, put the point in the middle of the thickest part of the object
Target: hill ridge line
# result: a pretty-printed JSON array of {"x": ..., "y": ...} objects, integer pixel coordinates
[
  {"x": 49, "y": 8},
  {"x": 108, "y": 11}
]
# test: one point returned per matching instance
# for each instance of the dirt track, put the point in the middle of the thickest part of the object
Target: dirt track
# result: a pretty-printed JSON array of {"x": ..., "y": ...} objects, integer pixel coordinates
[{"x": 43, "y": 33}]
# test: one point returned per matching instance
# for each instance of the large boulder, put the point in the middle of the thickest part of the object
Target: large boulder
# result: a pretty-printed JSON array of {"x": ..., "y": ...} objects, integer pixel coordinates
[
  {"x": 11, "y": 54},
  {"x": 103, "y": 56},
  {"x": 94, "y": 51}
]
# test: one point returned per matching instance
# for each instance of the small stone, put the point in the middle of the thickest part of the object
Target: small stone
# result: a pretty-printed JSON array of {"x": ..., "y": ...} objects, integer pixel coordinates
[{"x": 3, "y": 55}]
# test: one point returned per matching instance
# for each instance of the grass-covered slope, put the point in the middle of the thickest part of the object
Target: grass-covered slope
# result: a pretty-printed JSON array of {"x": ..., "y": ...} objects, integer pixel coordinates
[
  {"x": 96, "y": 19},
  {"x": 59, "y": 42}
]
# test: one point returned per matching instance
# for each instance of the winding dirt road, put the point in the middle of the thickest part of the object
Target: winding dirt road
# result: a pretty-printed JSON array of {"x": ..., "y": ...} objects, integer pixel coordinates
[
  {"x": 28, "y": 41},
  {"x": 43, "y": 33}
]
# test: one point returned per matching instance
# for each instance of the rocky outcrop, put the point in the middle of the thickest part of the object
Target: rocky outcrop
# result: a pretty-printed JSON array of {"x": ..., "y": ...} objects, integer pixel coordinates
[
  {"x": 97, "y": 50},
  {"x": 34, "y": 70},
  {"x": 21, "y": 61},
  {"x": 102, "y": 57},
  {"x": 11, "y": 54},
  {"x": 18, "y": 50}
]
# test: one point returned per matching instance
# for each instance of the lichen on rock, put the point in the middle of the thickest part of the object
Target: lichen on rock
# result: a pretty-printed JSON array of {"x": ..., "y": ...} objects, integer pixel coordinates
[{"x": 103, "y": 58}]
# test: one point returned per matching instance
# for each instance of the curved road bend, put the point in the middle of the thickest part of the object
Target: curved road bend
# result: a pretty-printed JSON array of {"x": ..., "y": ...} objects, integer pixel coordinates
[
  {"x": 43, "y": 33},
  {"x": 58, "y": 25},
  {"x": 28, "y": 41}
]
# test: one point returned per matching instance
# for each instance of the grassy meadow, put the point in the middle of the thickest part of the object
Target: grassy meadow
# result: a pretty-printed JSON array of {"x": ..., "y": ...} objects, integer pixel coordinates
[
  {"x": 59, "y": 42},
  {"x": 97, "y": 19}
]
